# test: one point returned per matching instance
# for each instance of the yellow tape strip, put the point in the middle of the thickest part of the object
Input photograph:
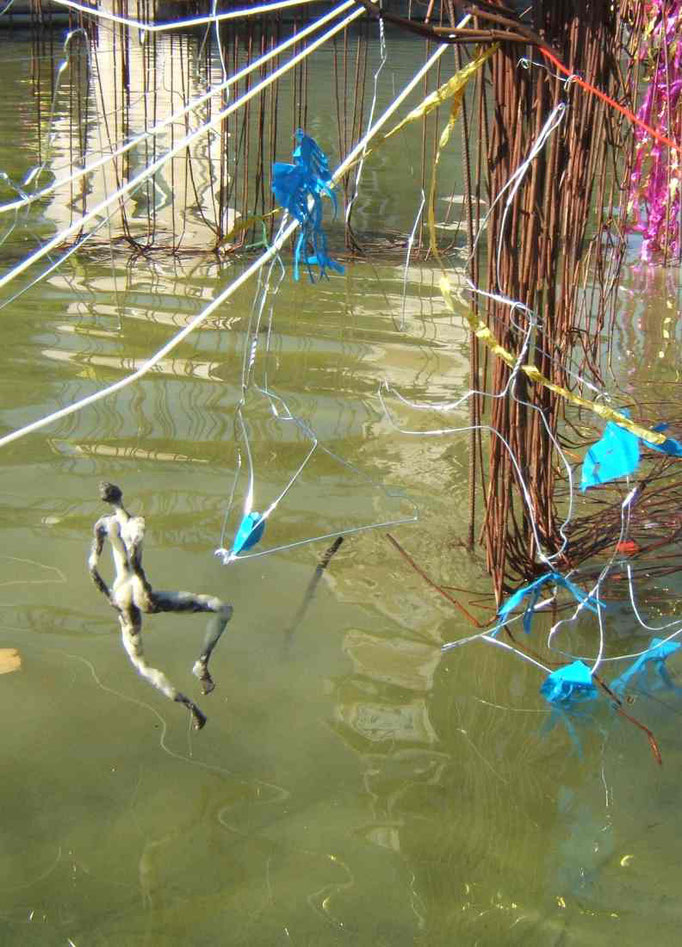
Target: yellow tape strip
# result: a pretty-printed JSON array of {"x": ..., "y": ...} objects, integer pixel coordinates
[
  {"x": 245, "y": 223},
  {"x": 453, "y": 87},
  {"x": 482, "y": 332}
]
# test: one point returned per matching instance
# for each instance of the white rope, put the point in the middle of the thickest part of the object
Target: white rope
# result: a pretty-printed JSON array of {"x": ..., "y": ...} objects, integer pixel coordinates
[
  {"x": 176, "y": 116},
  {"x": 229, "y": 290},
  {"x": 180, "y": 24}
]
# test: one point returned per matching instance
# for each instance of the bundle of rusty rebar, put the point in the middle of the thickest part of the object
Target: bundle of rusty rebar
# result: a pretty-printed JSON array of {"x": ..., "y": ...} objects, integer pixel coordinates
[
  {"x": 556, "y": 249},
  {"x": 541, "y": 259}
]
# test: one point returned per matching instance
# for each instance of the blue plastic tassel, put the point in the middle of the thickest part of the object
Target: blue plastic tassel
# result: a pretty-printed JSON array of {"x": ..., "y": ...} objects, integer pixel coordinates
[
  {"x": 569, "y": 685},
  {"x": 250, "y": 532},
  {"x": 298, "y": 188},
  {"x": 615, "y": 455},
  {"x": 653, "y": 659}
]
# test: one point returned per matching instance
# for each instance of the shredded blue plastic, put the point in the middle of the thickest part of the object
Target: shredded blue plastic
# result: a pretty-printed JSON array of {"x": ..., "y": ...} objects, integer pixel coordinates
[
  {"x": 615, "y": 455},
  {"x": 250, "y": 532},
  {"x": 298, "y": 188},
  {"x": 569, "y": 685},
  {"x": 654, "y": 660}
]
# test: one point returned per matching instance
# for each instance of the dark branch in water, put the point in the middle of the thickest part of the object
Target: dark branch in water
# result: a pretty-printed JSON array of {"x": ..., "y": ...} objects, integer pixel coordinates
[{"x": 434, "y": 585}]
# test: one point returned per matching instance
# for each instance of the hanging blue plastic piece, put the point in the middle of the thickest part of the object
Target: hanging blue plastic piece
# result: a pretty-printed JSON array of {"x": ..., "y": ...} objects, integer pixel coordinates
[
  {"x": 250, "y": 532},
  {"x": 532, "y": 592},
  {"x": 569, "y": 685},
  {"x": 298, "y": 188},
  {"x": 564, "y": 689},
  {"x": 615, "y": 455},
  {"x": 518, "y": 596},
  {"x": 313, "y": 160},
  {"x": 589, "y": 601},
  {"x": 653, "y": 659}
]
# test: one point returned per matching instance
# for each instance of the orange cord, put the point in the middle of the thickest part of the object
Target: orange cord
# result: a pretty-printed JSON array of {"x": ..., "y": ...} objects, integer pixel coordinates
[{"x": 609, "y": 101}]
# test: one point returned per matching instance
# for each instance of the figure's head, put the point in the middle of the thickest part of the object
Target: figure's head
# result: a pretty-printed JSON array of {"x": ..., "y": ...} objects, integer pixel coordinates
[{"x": 110, "y": 493}]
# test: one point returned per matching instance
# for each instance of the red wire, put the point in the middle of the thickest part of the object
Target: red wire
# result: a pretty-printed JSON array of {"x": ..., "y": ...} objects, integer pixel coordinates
[{"x": 609, "y": 101}]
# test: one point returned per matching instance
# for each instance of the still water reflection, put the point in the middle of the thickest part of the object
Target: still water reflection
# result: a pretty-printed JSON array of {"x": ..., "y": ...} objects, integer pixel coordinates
[{"x": 351, "y": 787}]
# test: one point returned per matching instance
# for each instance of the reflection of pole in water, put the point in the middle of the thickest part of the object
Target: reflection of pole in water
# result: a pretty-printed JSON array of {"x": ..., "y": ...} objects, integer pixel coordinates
[{"x": 310, "y": 591}]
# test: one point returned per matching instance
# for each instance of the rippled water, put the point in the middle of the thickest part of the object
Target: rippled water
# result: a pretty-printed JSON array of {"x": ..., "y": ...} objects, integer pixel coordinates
[{"x": 351, "y": 786}]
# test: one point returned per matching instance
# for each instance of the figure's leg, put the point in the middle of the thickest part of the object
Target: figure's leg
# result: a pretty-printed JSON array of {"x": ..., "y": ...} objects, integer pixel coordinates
[
  {"x": 131, "y": 630},
  {"x": 189, "y": 602}
]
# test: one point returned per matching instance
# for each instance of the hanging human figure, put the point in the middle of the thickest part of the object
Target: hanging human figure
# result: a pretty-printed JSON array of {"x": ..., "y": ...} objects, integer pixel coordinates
[{"x": 132, "y": 595}]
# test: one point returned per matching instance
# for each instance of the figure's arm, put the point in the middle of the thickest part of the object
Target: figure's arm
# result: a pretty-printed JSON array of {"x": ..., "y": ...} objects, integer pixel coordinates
[{"x": 100, "y": 532}]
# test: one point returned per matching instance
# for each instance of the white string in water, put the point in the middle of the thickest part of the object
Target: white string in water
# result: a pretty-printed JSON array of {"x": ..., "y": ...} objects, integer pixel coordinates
[
  {"x": 281, "y": 413},
  {"x": 410, "y": 245}
]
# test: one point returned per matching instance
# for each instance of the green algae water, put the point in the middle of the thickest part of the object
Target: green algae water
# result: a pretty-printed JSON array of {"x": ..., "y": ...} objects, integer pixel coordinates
[{"x": 352, "y": 785}]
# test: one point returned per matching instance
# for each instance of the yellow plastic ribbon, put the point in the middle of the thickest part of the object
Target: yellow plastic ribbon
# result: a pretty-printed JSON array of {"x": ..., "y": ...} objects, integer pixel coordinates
[
  {"x": 483, "y": 332},
  {"x": 453, "y": 87},
  {"x": 246, "y": 223}
]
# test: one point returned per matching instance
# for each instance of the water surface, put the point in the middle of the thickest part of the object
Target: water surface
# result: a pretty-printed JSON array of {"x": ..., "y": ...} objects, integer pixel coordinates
[{"x": 351, "y": 786}]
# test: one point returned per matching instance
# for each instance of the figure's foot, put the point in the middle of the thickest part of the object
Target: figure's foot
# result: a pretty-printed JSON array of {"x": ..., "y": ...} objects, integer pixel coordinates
[
  {"x": 201, "y": 671},
  {"x": 198, "y": 718}
]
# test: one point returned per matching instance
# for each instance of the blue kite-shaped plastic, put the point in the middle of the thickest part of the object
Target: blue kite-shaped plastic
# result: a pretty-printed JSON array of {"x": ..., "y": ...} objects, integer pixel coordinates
[
  {"x": 532, "y": 592},
  {"x": 653, "y": 659},
  {"x": 569, "y": 685},
  {"x": 615, "y": 455},
  {"x": 299, "y": 187},
  {"x": 250, "y": 532}
]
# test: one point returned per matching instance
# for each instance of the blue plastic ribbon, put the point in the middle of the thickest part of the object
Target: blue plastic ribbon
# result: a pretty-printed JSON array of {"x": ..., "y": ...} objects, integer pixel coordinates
[
  {"x": 532, "y": 592},
  {"x": 616, "y": 454}
]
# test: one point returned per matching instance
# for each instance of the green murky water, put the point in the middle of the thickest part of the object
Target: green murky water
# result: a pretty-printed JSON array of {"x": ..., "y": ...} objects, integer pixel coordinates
[{"x": 351, "y": 786}]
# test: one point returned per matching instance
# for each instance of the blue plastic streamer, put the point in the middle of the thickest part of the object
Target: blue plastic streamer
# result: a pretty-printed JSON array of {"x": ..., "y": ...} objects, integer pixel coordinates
[
  {"x": 298, "y": 188},
  {"x": 615, "y": 455},
  {"x": 653, "y": 659}
]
